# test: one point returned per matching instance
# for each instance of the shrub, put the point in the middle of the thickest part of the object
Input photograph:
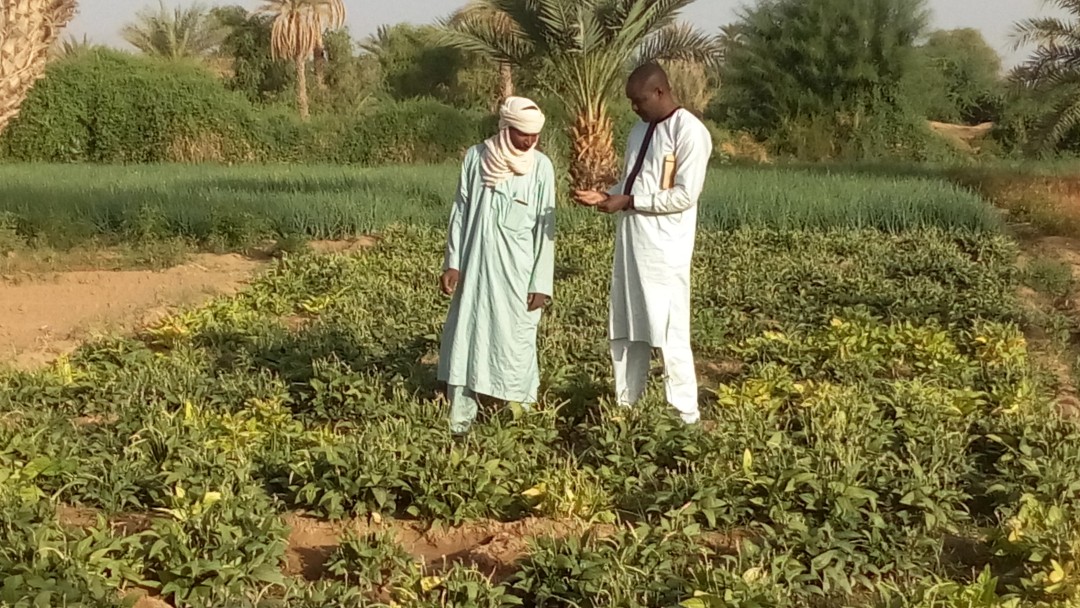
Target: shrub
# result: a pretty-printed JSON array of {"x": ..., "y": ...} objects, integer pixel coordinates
[
  {"x": 111, "y": 107},
  {"x": 418, "y": 131},
  {"x": 107, "y": 106}
]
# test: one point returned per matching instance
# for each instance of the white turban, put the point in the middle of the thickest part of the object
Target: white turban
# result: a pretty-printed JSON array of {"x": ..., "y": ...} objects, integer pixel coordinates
[{"x": 501, "y": 159}]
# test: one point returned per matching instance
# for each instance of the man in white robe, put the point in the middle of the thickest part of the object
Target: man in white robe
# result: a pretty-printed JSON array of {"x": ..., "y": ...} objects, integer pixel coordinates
[{"x": 656, "y": 206}]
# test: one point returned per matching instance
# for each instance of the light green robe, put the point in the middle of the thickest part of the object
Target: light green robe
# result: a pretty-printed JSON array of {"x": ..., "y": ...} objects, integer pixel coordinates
[{"x": 503, "y": 243}]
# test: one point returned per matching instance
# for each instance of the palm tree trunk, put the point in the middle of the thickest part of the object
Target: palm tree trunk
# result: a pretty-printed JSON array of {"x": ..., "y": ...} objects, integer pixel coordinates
[
  {"x": 301, "y": 86},
  {"x": 594, "y": 166},
  {"x": 27, "y": 32},
  {"x": 320, "y": 66},
  {"x": 506, "y": 80}
]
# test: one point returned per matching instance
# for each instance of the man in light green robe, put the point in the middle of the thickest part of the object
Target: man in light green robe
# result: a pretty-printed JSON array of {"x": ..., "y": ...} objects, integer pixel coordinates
[{"x": 498, "y": 267}]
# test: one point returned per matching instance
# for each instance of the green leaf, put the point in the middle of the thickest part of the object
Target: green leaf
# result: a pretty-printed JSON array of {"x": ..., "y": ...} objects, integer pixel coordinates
[
  {"x": 36, "y": 466},
  {"x": 268, "y": 573},
  {"x": 381, "y": 496},
  {"x": 824, "y": 559}
]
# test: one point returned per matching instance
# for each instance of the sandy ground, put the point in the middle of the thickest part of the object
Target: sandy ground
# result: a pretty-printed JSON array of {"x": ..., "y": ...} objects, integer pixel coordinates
[{"x": 45, "y": 314}]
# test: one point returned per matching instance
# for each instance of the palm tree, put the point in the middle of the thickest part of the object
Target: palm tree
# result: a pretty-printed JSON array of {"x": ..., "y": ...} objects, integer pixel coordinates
[
  {"x": 1054, "y": 66},
  {"x": 481, "y": 15},
  {"x": 70, "y": 47},
  {"x": 297, "y": 34},
  {"x": 28, "y": 30},
  {"x": 584, "y": 48},
  {"x": 331, "y": 15},
  {"x": 179, "y": 33}
]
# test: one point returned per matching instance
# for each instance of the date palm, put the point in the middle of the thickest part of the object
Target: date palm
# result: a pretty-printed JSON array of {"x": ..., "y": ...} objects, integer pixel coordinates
[
  {"x": 71, "y": 46},
  {"x": 297, "y": 34},
  {"x": 494, "y": 20},
  {"x": 584, "y": 49},
  {"x": 178, "y": 33},
  {"x": 28, "y": 31},
  {"x": 1054, "y": 65}
]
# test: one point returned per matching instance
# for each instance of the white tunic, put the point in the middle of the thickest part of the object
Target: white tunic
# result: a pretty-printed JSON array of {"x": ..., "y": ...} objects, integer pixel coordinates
[{"x": 654, "y": 244}]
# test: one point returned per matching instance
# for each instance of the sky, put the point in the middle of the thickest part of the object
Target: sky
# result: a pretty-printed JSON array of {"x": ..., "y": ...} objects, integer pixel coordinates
[{"x": 101, "y": 20}]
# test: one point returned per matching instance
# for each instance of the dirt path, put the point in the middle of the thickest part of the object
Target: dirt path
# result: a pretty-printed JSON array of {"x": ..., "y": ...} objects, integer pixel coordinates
[
  {"x": 963, "y": 137},
  {"x": 491, "y": 547},
  {"x": 1066, "y": 251},
  {"x": 45, "y": 314}
]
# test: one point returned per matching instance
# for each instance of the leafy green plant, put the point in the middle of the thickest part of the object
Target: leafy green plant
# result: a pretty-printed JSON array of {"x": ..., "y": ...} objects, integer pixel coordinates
[
  {"x": 1050, "y": 277},
  {"x": 42, "y": 563},
  {"x": 642, "y": 566},
  {"x": 373, "y": 562},
  {"x": 213, "y": 547}
]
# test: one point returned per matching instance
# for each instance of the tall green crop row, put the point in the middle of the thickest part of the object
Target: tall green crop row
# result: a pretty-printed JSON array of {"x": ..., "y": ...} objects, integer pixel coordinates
[{"x": 231, "y": 207}]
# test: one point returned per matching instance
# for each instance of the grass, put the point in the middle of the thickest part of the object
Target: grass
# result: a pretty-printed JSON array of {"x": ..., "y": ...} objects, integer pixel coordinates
[
  {"x": 62, "y": 206},
  {"x": 789, "y": 198}
]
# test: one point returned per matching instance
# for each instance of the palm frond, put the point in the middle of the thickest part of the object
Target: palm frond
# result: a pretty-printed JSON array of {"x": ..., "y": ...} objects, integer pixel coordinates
[
  {"x": 1043, "y": 30},
  {"x": 299, "y": 24},
  {"x": 487, "y": 40},
  {"x": 560, "y": 22},
  {"x": 645, "y": 18},
  {"x": 524, "y": 14},
  {"x": 681, "y": 42},
  {"x": 1069, "y": 6},
  {"x": 182, "y": 32},
  {"x": 1064, "y": 118},
  {"x": 1047, "y": 65}
]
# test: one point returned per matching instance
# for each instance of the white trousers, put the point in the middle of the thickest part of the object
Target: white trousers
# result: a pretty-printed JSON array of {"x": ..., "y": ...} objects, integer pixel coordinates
[{"x": 631, "y": 365}]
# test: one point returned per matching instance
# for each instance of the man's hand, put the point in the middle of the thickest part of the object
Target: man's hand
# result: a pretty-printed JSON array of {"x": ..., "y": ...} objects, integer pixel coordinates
[
  {"x": 449, "y": 281},
  {"x": 589, "y": 198},
  {"x": 615, "y": 204},
  {"x": 537, "y": 301},
  {"x": 605, "y": 203}
]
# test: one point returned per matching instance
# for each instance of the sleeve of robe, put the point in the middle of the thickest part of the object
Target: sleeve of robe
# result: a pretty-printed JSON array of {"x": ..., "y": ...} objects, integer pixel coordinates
[
  {"x": 692, "y": 152},
  {"x": 455, "y": 231},
  {"x": 617, "y": 188},
  {"x": 543, "y": 275}
]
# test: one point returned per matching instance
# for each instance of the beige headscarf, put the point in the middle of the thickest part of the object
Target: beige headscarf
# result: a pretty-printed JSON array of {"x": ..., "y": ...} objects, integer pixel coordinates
[{"x": 501, "y": 159}]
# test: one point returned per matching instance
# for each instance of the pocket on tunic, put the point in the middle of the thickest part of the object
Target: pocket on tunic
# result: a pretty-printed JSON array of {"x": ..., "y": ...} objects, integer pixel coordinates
[{"x": 516, "y": 215}]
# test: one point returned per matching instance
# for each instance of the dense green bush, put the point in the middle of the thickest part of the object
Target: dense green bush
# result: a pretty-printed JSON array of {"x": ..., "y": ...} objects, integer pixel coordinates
[
  {"x": 827, "y": 79},
  {"x": 111, "y": 107},
  {"x": 1021, "y": 127},
  {"x": 106, "y": 106},
  {"x": 407, "y": 132},
  {"x": 957, "y": 79}
]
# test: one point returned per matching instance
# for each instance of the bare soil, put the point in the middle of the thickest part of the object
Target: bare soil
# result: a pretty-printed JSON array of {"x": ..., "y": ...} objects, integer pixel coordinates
[
  {"x": 46, "y": 313},
  {"x": 963, "y": 137},
  {"x": 489, "y": 546},
  {"x": 43, "y": 315},
  {"x": 1065, "y": 250}
]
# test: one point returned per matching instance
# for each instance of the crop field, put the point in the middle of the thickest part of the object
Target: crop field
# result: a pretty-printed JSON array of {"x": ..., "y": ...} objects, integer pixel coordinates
[
  {"x": 233, "y": 207},
  {"x": 878, "y": 432}
]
